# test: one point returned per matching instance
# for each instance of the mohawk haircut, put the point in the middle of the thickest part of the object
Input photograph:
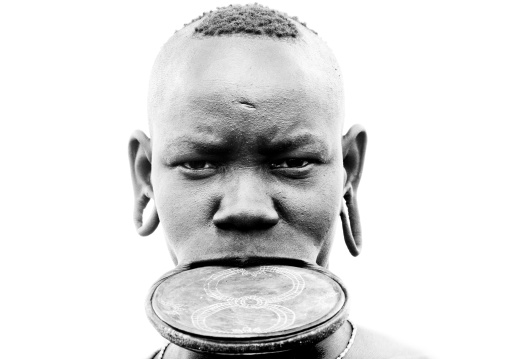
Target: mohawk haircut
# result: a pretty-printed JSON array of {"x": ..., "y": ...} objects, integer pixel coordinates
[{"x": 251, "y": 19}]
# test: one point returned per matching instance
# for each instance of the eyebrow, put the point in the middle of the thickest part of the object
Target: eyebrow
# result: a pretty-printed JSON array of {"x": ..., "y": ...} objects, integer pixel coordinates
[
  {"x": 199, "y": 144},
  {"x": 295, "y": 142},
  {"x": 211, "y": 145}
]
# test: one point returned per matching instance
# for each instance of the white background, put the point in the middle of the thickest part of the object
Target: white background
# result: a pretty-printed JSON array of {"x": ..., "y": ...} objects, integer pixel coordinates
[{"x": 429, "y": 81}]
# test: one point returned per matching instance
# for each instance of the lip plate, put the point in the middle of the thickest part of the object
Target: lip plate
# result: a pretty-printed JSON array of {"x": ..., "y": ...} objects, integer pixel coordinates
[{"x": 189, "y": 336}]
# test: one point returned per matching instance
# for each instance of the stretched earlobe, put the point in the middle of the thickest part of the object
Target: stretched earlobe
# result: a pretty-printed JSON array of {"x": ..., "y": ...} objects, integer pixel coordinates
[
  {"x": 149, "y": 226},
  {"x": 354, "y": 144},
  {"x": 140, "y": 157},
  {"x": 351, "y": 225}
]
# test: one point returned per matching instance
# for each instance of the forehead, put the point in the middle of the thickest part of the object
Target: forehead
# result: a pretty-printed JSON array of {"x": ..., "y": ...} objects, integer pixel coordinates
[{"x": 244, "y": 82}]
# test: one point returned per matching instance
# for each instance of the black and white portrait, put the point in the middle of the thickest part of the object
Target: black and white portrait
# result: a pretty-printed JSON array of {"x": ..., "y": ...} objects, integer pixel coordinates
[{"x": 219, "y": 137}]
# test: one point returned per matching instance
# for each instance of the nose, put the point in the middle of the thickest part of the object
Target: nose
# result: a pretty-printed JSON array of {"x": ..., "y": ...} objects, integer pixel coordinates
[{"x": 246, "y": 205}]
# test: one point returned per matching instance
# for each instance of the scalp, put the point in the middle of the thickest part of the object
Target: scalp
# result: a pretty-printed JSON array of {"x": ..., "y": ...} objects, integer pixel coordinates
[{"x": 180, "y": 53}]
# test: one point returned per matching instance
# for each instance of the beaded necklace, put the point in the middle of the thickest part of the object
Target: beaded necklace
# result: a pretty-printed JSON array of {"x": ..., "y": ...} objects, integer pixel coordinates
[{"x": 350, "y": 342}]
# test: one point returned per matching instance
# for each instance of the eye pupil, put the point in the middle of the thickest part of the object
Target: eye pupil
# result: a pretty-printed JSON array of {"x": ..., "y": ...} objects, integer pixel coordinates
[
  {"x": 295, "y": 162},
  {"x": 197, "y": 165},
  {"x": 290, "y": 163}
]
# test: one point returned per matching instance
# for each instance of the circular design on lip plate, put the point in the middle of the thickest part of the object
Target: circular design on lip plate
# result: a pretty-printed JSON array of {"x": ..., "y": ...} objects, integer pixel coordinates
[
  {"x": 284, "y": 317},
  {"x": 247, "y": 302}
]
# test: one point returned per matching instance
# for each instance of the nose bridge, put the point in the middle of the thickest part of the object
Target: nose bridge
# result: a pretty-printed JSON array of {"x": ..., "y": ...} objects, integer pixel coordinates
[
  {"x": 246, "y": 188},
  {"x": 246, "y": 203}
]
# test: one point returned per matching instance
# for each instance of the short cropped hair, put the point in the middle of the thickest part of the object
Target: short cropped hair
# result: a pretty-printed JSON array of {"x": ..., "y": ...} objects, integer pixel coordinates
[{"x": 253, "y": 19}]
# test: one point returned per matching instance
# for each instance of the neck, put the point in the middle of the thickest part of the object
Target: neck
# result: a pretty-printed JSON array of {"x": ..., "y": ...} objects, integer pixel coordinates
[{"x": 329, "y": 348}]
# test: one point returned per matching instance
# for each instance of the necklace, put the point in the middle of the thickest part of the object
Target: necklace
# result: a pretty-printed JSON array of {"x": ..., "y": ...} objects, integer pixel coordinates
[
  {"x": 350, "y": 342},
  {"x": 163, "y": 350},
  {"x": 341, "y": 355}
]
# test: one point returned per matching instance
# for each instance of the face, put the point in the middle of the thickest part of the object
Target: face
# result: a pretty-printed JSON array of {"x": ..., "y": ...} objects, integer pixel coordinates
[{"x": 246, "y": 156}]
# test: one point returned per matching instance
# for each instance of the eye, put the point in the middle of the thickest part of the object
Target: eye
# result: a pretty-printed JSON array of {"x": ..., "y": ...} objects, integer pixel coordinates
[
  {"x": 290, "y": 163},
  {"x": 198, "y": 165}
]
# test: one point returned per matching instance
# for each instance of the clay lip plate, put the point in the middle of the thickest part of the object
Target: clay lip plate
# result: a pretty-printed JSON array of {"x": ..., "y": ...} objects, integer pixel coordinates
[{"x": 262, "y": 301}]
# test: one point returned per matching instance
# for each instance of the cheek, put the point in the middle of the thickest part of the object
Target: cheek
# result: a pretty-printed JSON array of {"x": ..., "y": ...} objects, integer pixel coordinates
[
  {"x": 183, "y": 210},
  {"x": 315, "y": 213},
  {"x": 314, "y": 210}
]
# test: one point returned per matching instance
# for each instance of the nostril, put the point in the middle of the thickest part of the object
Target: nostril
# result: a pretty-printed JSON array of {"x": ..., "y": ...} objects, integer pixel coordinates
[{"x": 245, "y": 222}]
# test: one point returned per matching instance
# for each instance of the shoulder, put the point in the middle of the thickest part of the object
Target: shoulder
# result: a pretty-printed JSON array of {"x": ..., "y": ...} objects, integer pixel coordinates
[
  {"x": 155, "y": 355},
  {"x": 370, "y": 344},
  {"x": 159, "y": 353}
]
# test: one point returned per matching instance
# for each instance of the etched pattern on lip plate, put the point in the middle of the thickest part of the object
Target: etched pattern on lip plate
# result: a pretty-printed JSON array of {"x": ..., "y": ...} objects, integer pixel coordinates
[{"x": 259, "y": 301}]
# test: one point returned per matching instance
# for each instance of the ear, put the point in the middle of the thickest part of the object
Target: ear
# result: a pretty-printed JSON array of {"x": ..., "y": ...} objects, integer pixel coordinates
[
  {"x": 354, "y": 144},
  {"x": 140, "y": 157}
]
